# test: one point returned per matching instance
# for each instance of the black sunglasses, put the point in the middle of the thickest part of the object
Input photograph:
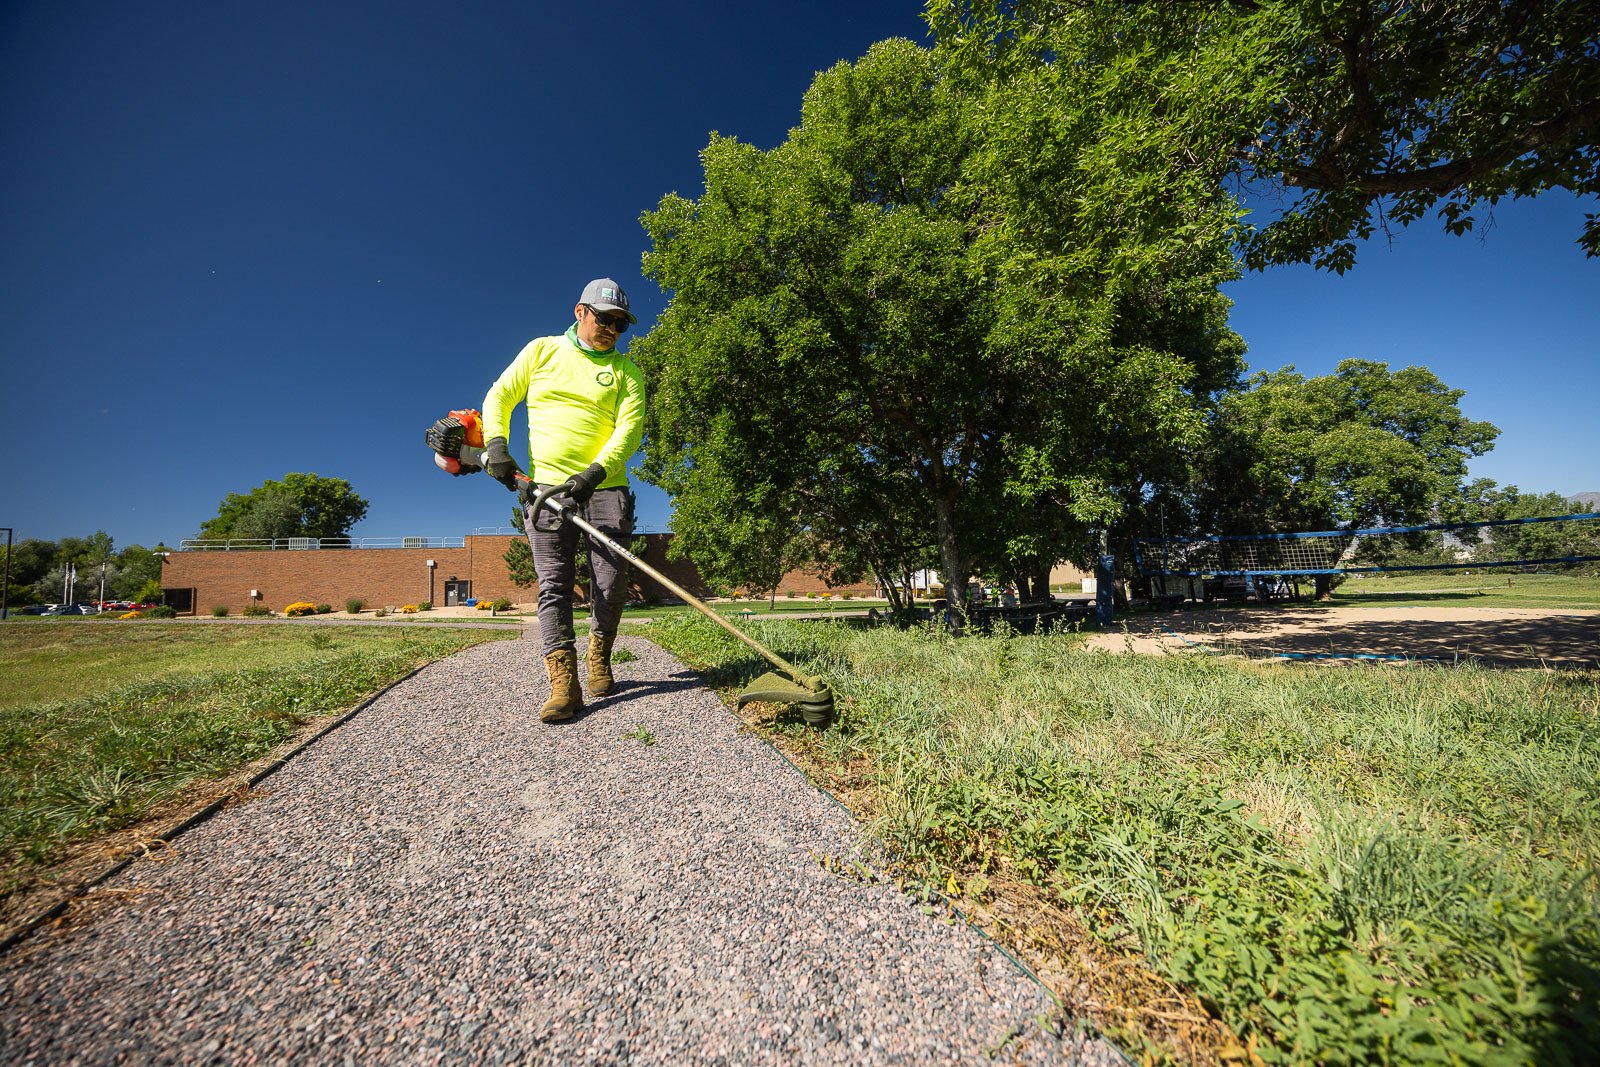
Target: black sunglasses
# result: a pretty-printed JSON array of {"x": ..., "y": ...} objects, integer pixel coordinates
[{"x": 618, "y": 323}]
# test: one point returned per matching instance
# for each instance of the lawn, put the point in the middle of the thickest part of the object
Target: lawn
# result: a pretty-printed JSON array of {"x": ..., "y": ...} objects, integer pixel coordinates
[
  {"x": 1339, "y": 865},
  {"x": 1494, "y": 588},
  {"x": 102, "y": 722}
]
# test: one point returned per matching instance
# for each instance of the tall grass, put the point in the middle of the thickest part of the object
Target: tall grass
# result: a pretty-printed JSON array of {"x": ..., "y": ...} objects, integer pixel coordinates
[{"x": 1347, "y": 865}]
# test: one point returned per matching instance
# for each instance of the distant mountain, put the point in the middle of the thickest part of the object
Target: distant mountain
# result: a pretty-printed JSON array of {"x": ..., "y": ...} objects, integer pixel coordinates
[{"x": 1592, "y": 499}]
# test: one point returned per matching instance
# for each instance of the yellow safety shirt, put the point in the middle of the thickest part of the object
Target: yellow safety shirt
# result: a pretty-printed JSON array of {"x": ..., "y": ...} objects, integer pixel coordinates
[{"x": 583, "y": 407}]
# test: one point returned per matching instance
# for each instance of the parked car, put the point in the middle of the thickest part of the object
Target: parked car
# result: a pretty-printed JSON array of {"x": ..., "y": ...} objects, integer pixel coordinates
[
  {"x": 35, "y": 609},
  {"x": 74, "y": 609}
]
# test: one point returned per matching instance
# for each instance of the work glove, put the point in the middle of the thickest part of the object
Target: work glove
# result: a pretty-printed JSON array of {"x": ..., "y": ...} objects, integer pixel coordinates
[
  {"x": 498, "y": 462},
  {"x": 580, "y": 487}
]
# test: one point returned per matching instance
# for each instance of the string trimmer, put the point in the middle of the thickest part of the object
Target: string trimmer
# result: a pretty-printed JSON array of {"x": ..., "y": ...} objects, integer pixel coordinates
[{"x": 458, "y": 446}]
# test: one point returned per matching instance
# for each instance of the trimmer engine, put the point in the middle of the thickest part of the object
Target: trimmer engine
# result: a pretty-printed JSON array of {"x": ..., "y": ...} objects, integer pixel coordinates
[{"x": 457, "y": 442}]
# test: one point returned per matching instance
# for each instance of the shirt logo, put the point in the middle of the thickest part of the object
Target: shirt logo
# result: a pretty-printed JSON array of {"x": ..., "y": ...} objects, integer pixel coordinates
[{"x": 605, "y": 378}]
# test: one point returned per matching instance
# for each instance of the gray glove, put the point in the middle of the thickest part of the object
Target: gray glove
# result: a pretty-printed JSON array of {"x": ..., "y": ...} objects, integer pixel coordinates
[
  {"x": 498, "y": 462},
  {"x": 580, "y": 487}
]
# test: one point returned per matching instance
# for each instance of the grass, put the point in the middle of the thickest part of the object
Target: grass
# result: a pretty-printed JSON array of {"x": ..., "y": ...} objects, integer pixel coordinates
[
  {"x": 1495, "y": 588},
  {"x": 1337, "y": 865},
  {"x": 101, "y": 724}
]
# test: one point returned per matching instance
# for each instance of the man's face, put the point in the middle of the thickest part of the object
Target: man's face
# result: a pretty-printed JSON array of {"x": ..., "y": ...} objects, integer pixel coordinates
[{"x": 598, "y": 329}]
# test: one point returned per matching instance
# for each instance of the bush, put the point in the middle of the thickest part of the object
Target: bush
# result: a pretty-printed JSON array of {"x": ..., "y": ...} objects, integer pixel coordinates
[
  {"x": 408, "y": 609},
  {"x": 324, "y": 609},
  {"x": 354, "y": 605},
  {"x": 483, "y": 605},
  {"x": 426, "y": 605},
  {"x": 811, "y": 596},
  {"x": 130, "y": 615},
  {"x": 256, "y": 611},
  {"x": 219, "y": 611},
  {"x": 503, "y": 604},
  {"x": 161, "y": 611},
  {"x": 299, "y": 608},
  {"x": 380, "y": 612},
  {"x": 789, "y": 593}
]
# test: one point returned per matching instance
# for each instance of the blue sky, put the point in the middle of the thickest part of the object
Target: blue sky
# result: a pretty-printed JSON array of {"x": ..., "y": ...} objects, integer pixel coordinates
[{"x": 238, "y": 241}]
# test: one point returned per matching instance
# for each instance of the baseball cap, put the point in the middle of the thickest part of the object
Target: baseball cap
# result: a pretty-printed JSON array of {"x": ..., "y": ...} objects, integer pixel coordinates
[{"x": 604, "y": 294}]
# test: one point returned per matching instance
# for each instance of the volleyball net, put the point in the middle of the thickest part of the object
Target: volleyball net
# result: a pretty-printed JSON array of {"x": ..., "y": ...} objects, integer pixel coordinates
[{"x": 1548, "y": 540}]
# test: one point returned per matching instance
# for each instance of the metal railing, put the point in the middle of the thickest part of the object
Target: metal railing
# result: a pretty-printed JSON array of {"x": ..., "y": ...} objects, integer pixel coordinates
[{"x": 301, "y": 544}]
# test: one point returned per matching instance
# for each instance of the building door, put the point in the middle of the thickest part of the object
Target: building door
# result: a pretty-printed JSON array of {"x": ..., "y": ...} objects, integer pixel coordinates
[{"x": 456, "y": 592}]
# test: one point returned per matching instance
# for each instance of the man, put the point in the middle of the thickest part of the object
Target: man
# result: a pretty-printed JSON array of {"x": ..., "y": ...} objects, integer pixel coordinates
[{"x": 585, "y": 418}]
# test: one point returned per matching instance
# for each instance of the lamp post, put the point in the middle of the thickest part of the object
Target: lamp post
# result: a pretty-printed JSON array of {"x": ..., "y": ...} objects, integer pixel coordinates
[{"x": 430, "y": 582}]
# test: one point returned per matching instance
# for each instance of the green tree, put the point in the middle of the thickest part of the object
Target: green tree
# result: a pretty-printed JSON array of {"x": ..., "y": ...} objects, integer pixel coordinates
[
  {"x": 137, "y": 568},
  {"x": 519, "y": 557},
  {"x": 31, "y": 560},
  {"x": 301, "y": 505},
  {"x": 1364, "y": 446},
  {"x": 1372, "y": 111},
  {"x": 1484, "y": 500},
  {"x": 872, "y": 325}
]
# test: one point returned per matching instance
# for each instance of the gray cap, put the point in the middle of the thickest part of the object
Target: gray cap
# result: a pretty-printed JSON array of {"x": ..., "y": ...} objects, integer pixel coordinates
[{"x": 604, "y": 294}]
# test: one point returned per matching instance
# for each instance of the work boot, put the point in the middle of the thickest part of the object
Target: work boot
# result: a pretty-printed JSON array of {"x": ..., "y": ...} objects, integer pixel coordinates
[
  {"x": 565, "y": 698},
  {"x": 600, "y": 680}
]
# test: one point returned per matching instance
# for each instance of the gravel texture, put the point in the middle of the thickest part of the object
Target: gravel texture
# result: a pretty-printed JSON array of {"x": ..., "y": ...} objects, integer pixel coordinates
[{"x": 446, "y": 879}]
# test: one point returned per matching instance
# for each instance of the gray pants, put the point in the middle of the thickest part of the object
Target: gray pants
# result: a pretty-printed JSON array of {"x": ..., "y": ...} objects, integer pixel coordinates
[{"x": 554, "y": 550}]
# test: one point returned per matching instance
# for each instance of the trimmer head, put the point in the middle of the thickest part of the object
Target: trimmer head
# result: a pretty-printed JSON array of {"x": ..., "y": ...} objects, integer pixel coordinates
[{"x": 816, "y": 705}]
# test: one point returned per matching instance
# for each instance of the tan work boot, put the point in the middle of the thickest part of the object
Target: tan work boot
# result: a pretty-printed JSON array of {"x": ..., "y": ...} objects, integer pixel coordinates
[
  {"x": 565, "y": 698},
  {"x": 600, "y": 680}
]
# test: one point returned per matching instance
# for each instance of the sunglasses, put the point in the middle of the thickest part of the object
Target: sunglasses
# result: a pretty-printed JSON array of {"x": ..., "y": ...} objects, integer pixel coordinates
[{"x": 616, "y": 323}]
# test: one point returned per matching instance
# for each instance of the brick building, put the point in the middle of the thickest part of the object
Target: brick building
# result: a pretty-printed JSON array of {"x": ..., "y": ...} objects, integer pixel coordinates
[{"x": 197, "y": 579}]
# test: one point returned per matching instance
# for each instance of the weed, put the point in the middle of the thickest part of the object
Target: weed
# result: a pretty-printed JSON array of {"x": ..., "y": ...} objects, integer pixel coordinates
[
  {"x": 1345, "y": 865},
  {"x": 640, "y": 734}
]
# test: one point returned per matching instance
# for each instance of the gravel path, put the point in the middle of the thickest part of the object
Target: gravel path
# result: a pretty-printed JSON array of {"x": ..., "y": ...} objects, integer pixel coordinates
[{"x": 444, "y": 879}]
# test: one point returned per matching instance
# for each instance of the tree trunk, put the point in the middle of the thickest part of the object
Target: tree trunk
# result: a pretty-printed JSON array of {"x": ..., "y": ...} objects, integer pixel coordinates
[
  {"x": 956, "y": 567},
  {"x": 1041, "y": 583}
]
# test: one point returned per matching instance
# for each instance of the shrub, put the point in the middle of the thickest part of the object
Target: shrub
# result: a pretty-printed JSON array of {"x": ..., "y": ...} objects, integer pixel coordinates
[
  {"x": 789, "y": 593},
  {"x": 408, "y": 609},
  {"x": 299, "y": 608},
  {"x": 256, "y": 611},
  {"x": 219, "y": 611},
  {"x": 483, "y": 605},
  {"x": 324, "y": 609},
  {"x": 811, "y": 596},
  {"x": 844, "y": 596},
  {"x": 130, "y": 615},
  {"x": 161, "y": 611},
  {"x": 426, "y": 605},
  {"x": 354, "y": 605},
  {"x": 380, "y": 612},
  {"x": 827, "y": 596},
  {"x": 503, "y": 604}
]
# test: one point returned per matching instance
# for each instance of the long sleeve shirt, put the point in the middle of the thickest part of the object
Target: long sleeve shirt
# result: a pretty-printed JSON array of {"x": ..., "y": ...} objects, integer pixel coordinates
[{"x": 583, "y": 407}]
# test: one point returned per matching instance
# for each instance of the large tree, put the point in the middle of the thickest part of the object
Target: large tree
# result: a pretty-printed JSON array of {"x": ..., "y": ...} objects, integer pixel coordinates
[
  {"x": 301, "y": 505},
  {"x": 1369, "y": 111},
  {"x": 1361, "y": 447},
  {"x": 869, "y": 326}
]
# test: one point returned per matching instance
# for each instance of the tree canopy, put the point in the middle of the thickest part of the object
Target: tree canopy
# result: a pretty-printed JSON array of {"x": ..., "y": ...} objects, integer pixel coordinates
[
  {"x": 301, "y": 505},
  {"x": 39, "y": 568},
  {"x": 873, "y": 329},
  {"x": 1361, "y": 447},
  {"x": 1369, "y": 111}
]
